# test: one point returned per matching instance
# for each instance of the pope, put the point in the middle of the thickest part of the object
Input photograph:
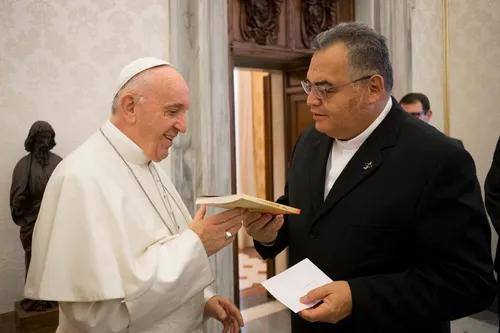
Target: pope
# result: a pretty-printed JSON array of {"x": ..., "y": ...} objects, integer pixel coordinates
[{"x": 114, "y": 244}]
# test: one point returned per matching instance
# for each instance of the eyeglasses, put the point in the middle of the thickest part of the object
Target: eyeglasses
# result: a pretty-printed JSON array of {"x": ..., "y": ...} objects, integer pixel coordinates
[
  {"x": 418, "y": 114},
  {"x": 321, "y": 90}
]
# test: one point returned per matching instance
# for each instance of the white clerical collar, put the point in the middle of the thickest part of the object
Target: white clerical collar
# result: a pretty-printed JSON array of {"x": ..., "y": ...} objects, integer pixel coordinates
[
  {"x": 130, "y": 151},
  {"x": 357, "y": 141}
]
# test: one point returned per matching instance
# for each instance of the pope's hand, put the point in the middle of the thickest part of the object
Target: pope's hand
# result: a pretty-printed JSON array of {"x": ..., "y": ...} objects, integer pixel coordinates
[
  {"x": 226, "y": 312},
  {"x": 263, "y": 228},
  {"x": 336, "y": 305},
  {"x": 212, "y": 230}
]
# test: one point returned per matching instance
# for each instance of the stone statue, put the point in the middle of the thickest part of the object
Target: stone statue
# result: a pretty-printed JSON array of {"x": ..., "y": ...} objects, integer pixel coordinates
[{"x": 29, "y": 180}]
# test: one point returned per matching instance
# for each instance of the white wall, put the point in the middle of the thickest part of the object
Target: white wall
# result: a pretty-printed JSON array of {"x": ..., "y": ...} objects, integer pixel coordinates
[
  {"x": 427, "y": 55},
  {"x": 475, "y": 77},
  {"x": 475, "y": 80},
  {"x": 474, "y": 59},
  {"x": 58, "y": 62},
  {"x": 279, "y": 162}
]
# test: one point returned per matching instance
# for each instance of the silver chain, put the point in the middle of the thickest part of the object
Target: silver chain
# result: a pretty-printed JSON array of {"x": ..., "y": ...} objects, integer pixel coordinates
[
  {"x": 166, "y": 194},
  {"x": 143, "y": 190}
]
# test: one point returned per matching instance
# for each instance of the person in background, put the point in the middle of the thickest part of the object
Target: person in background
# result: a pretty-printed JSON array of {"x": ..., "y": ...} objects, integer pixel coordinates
[{"x": 418, "y": 105}]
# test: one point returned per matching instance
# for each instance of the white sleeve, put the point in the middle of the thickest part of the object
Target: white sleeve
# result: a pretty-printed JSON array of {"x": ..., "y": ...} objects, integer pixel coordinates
[
  {"x": 183, "y": 271},
  {"x": 208, "y": 293},
  {"x": 96, "y": 317}
]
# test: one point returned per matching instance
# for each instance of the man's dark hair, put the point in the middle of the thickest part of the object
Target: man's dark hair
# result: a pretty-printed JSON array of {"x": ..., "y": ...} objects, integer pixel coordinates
[
  {"x": 39, "y": 127},
  {"x": 412, "y": 98},
  {"x": 368, "y": 50}
]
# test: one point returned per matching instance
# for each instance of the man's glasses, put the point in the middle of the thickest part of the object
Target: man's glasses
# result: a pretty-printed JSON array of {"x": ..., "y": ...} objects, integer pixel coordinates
[
  {"x": 322, "y": 90},
  {"x": 418, "y": 114}
]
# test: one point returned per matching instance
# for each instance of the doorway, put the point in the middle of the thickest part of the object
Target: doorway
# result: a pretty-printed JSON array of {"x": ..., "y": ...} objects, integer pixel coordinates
[
  {"x": 270, "y": 112},
  {"x": 259, "y": 168}
]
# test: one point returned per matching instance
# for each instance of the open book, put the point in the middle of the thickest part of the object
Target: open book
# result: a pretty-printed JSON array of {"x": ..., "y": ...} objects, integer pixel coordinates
[{"x": 246, "y": 201}]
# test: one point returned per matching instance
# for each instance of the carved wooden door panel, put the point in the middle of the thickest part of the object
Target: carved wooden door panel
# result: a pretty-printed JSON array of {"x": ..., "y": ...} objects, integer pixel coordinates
[
  {"x": 297, "y": 115},
  {"x": 269, "y": 33}
]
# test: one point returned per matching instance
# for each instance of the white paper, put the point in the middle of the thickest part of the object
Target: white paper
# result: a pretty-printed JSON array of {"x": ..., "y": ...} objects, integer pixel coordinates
[{"x": 289, "y": 286}]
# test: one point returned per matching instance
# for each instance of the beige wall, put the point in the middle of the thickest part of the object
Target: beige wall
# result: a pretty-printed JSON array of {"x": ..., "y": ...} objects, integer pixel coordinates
[
  {"x": 279, "y": 163},
  {"x": 474, "y": 72},
  {"x": 248, "y": 95},
  {"x": 427, "y": 55},
  {"x": 58, "y": 62},
  {"x": 475, "y": 77}
]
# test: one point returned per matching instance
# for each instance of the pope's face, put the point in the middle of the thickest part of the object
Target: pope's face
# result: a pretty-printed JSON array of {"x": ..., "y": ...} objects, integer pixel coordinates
[{"x": 161, "y": 114}]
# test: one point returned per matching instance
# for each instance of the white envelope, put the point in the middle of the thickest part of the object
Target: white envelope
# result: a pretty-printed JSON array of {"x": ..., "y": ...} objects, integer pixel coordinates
[{"x": 289, "y": 286}]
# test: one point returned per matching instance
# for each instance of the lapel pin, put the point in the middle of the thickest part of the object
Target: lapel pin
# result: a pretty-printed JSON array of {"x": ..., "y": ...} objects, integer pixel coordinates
[{"x": 368, "y": 165}]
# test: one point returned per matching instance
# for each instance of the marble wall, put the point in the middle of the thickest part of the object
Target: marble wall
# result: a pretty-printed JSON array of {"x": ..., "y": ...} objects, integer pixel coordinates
[
  {"x": 201, "y": 159},
  {"x": 59, "y": 61},
  {"x": 392, "y": 18}
]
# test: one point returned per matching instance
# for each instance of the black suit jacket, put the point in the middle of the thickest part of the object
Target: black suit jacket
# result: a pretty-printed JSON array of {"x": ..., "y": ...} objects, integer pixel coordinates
[
  {"x": 404, "y": 224},
  {"x": 459, "y": 142},
  {"x": 492, "y": 197}
]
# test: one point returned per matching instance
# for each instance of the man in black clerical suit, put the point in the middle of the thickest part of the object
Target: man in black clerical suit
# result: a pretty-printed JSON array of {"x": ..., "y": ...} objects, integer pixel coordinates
[
  {"x": 391, "y": 208},
  {"x": 492, "y": 201}
]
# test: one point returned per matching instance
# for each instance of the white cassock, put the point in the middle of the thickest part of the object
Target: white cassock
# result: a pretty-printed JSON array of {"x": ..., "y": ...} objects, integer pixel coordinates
[{"x": 101, "y": 249}]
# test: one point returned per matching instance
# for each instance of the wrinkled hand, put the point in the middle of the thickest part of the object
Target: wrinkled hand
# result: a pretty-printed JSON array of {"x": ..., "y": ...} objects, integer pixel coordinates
[
  {"x": 223, "y": 310},
  {"x": 336, "y": 305},
  {"x": 212, "y": 229},
  {"x": 263, "y": 227}
]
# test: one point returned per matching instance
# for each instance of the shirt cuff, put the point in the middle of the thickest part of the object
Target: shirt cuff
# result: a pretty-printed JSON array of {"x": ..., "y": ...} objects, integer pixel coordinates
[{"x": 208, "y": 293}]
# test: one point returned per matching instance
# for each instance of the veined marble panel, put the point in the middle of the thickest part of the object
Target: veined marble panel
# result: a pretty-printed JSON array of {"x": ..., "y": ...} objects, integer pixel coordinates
[
  {"x": 201, "y": 158},
  {"x": 392, "y": 18}
]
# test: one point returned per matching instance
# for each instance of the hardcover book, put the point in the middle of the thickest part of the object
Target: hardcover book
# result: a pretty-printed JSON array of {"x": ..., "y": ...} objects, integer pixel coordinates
[{"x": 246, "y": 201}]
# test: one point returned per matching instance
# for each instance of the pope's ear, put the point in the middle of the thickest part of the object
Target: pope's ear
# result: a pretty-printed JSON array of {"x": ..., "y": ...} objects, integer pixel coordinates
[{"x": 127, "y": 106}]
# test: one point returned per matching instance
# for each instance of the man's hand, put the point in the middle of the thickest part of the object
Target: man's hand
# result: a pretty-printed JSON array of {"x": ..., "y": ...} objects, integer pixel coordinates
[
  {"x": 336, "y": 305},
  {"x": 226, "y": 312},
  {"x": 212, "y": 230},
  {"x": 263, "y": 228}
]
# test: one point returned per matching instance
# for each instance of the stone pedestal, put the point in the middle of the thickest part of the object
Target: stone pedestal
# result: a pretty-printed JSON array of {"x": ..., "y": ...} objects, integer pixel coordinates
[{"x": 35, "y": 322}]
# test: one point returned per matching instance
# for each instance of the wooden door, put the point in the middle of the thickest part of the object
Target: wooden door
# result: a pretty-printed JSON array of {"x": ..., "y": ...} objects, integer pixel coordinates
[{"x": 297, "y": 115}]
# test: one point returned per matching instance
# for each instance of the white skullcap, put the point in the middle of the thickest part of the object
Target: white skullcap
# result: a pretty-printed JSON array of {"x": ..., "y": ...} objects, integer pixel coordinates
[{"x": 135, "y": 67}]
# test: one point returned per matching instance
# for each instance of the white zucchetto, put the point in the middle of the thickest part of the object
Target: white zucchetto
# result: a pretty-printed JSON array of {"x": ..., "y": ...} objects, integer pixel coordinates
[{"x": 137, "y": 66}]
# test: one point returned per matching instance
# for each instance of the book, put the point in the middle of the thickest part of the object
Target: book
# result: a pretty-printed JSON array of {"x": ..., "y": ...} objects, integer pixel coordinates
[{"x": 246, "y": 201}]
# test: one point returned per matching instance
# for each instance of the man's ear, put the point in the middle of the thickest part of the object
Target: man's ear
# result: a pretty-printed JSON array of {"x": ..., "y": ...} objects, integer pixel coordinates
[
  {"x": 428, "y": 115},
  {"x": 376, "y": 83},
  {"x": 127, "y": 104}
]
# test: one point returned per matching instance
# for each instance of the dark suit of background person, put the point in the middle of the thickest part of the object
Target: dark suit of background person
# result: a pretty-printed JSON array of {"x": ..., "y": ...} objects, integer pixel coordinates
[
  {"x": 492, "y": 201},
  {"x": 404, "y": 223}
]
